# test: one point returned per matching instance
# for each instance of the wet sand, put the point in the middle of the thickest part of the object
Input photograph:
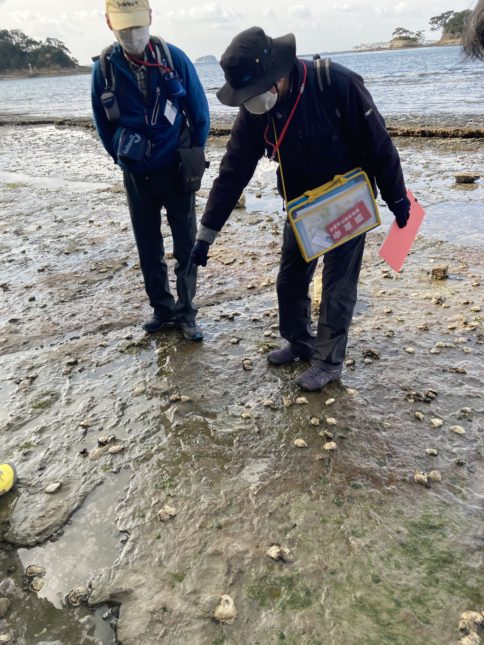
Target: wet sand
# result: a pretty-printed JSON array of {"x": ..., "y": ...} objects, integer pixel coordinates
[{"x": 374, "y": 557}]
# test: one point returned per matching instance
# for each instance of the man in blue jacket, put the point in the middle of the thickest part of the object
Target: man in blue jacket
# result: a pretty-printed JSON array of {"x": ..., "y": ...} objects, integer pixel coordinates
[
  {"x": 148, "y": 102},
  {"x": 323, "y": 122}
]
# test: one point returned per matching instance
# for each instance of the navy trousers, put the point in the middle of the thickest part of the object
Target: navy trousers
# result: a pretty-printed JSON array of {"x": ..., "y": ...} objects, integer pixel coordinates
[
  {"x": 340, "y": 279},
  {"x": 146, "y": 197}
]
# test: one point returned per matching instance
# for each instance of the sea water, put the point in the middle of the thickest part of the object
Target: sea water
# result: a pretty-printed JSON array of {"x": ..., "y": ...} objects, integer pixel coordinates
[{"x": 434, "y": 85}]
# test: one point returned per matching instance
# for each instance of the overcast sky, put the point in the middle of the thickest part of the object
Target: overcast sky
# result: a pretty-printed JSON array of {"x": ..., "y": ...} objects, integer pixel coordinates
[{"x": 207, "y": 27}]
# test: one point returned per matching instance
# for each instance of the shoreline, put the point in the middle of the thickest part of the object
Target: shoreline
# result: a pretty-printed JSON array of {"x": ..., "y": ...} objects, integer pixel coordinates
[
  {"x": 222, "y": 127},
  {"x": 18, "y": 75}
]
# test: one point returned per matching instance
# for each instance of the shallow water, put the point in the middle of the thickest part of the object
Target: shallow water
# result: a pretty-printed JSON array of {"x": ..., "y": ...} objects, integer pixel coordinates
[{"x": 375, "y": 558}]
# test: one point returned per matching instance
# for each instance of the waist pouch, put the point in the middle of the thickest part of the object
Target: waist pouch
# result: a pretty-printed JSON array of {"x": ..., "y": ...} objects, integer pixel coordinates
[
  {"x": 132, "y": 146},
  {"x": 191, "y": 166}
]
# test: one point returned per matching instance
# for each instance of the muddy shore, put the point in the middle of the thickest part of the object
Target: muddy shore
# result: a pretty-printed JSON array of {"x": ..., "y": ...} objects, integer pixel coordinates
[{"x": 129, "y": 424}]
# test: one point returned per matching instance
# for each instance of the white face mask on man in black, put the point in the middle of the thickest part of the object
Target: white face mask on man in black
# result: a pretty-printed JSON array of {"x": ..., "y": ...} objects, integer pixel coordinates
[
  {"x": 262, "y": 103},
  {"x": 134, "y": 39}
]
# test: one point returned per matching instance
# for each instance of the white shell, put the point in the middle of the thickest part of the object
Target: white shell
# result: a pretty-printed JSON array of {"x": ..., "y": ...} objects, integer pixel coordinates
[
  {"x": 37, "y": 584},
  {"x": 277, "y": 553},
  {"x": 433, "y": 452},
  {"x": 434, "y": 476},
  {"x": 166, "y": 513},
  {"x": 421, "y": 478},
  {"x": 330, "y": 401},
  {"x": 331, "y": 421},
  {"x": 330, "y": 445},
  {"x": 419, "y": 415},
  {"x": 300, "y": 443},
  {"x": 436, "y": 423},
  {"x": 301, "y": 400},
  {"x": 314, "y": 421},
  {"x": 225, "y": 611},
  {"x": 114, "y": 450},
  {"x": 246, "y": 415},
  {"x": 410, "y": 350},
  {"x": 53, "y": 488},
  {"x": 458, "y": 429}
]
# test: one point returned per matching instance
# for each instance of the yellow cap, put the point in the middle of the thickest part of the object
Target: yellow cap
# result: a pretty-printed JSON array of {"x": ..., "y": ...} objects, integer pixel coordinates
[
  {"x": 128, "y": 13},
  {"x": 8, "y": 477}
]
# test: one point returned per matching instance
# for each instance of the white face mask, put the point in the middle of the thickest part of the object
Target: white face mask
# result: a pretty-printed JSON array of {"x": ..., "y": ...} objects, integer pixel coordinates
[
  {"x": 261, "y": 103},
  {"x": 133, "y": 41}
]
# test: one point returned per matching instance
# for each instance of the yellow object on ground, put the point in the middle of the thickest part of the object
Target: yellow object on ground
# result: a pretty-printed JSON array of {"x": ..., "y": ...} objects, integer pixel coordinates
[{"x": 8, "y": 477}]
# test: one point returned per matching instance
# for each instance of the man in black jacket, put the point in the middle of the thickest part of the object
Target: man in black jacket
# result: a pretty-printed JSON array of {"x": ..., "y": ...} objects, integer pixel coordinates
[{"x": 326, "y": 124}]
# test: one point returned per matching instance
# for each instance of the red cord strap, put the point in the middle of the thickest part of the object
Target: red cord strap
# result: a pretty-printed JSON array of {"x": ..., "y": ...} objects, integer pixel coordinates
[{"x": 275, "y": 147}]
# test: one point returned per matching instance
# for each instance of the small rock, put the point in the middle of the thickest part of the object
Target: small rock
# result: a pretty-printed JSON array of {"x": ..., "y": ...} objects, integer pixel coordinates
[
  {"x": 314, "y": 421},
  {"x": 351, "y": 391},
  {"x": 475, "y": 309},
  {"x": 371, "y": 353},
  {"x": 5, "y": 638},
  {"x": 34, "y": 570},
  {"x": 246, "y": 415},
  {"x": 225, "y": 611},
  {"x": 350, "y": 363},
  {"x": 77, "y": 596},
  {"x": 421, "y": 478},
  {"x": 53, "y": 488},
  {"x": 331, "y": 421},
  {"x": 419, "y": 415},
  {"x": 174, "y": 398},
  {"x": 436, "y": 423},
  {"x": 235, "y": 341},
  {"x": 241, "y": 203},
  {"x": 247, "y": 364},
  {"x": 268, "y": 403},
  {"x": 185, "y": 399},
  {"x": 278, "y": 553},
  {"x": 434, "y": 476},
  {"x": 440, "y": 273},
  {"x": 466, "y": 177},
  {"x": 4, "y": 607},
  {"x": 470, "y": 639},
  {"x": 434, "y": 350},
  {"x": 330, "y": 401},
  {"x": 410, "y": 350},
  {"x": 97, "y": 453},
  {"x": 114, "y": 450},
  {"x": 287, "y": 402},
  {"x": 104, "y": 440},
  {"x": 166, "y": 513},
  {"x": 300, "y": 443},
  {"x": 327, "y": 435},
  {"x": 85, "y": 423},
  {"x": 37, "y": 584},
  {"x": 466, "y": 413},
  {"x": 301, "y": 400},
  {"x": 330, "y": 446},
  {"x": 367, "y": 361},
  {"x": 433, "y": 452},
  {"x": 470, "y": 620},
  {"x": 458, "y": 430}
]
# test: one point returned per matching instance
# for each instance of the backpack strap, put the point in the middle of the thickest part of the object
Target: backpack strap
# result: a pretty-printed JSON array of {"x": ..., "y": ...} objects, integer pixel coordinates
[
  {"x": 160, "y": 43},
  {"x": 327, "y": 87},
  {"x": 106, "y": 68}
]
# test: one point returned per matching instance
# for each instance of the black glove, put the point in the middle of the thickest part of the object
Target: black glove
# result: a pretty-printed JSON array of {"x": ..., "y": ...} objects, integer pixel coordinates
[
  {"x": 401, "y": 210},
  {"x": 199, "y": 254}
]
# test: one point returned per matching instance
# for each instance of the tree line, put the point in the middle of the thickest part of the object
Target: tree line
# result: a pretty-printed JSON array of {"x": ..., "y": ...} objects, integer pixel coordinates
[
  {"x": 20, "y": 52},
  {"x": 452, "y": 24}
]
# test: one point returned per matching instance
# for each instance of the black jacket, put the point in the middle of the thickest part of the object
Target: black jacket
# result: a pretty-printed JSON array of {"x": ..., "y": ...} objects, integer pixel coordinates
[{"x": 332, "y": 131}]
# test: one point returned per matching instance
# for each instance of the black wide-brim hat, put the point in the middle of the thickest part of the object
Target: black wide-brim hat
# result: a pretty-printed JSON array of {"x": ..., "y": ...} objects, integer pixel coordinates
[{"x": 252, "y": 63}]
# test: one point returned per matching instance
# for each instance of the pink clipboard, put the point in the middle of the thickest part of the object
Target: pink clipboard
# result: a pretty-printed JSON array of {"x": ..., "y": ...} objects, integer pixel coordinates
[{"x": 398, "y": 242}]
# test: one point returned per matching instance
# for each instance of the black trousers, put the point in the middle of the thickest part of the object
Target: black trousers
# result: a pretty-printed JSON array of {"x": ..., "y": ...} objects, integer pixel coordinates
[
  {"x": 340, "y": 278},
  {"x": 146, "y": 196}
]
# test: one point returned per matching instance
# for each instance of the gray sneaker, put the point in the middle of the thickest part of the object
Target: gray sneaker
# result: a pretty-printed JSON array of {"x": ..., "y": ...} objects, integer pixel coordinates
[
  {"x": 192, "y": 331},
  {"x": 283, "y": 356},
  {"x": 316, "y": 378}
]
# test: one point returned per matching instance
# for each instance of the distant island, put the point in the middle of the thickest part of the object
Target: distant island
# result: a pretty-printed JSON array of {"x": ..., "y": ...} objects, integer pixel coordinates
[
  {"x": 451, "y": 23},
  {"x": 206, "y": 59},
  {"x": 22, "y": 56}
]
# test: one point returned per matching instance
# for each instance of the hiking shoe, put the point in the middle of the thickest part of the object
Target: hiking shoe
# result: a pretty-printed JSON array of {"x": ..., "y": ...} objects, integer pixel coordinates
[
  {"x": 316, "y": 378},
  {"x": 192, "y": 331},
  {"x": 156, "y": 323},
  {"x": 8, "y": 477},
  {"x": 283, "y": 356}
]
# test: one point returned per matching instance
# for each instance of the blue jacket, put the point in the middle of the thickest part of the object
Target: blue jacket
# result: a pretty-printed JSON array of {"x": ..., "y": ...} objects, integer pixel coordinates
[
  {"x": 331, "y": 133},
  {"x": 148, "y": 117}
]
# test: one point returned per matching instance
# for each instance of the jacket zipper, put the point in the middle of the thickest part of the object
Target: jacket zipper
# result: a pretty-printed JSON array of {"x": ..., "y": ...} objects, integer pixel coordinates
[{"x": 156, "y": 109}]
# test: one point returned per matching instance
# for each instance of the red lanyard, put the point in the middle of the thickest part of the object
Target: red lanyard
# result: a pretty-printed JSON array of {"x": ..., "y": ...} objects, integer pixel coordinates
[
  {"x": 275, "y": 147},
  {"x": 145, "y": 63}
]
